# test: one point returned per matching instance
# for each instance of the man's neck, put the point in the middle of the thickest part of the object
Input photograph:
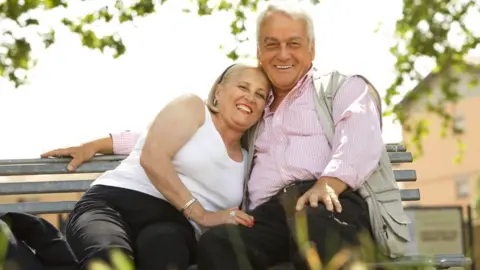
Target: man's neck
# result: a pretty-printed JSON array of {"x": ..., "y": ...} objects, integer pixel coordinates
[{"x": 278, "y": 96}]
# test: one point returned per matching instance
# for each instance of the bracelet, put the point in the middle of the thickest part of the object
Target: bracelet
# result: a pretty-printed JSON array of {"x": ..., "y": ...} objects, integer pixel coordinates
[
  {"x": 188, "y": 204},
  {"x": 189, "y": 213}
]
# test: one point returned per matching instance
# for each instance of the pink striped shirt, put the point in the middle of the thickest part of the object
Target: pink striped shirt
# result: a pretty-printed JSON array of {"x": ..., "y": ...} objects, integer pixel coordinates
[
  {"x": 291, "y": 146},
  {"x": 124, "y": 142}
]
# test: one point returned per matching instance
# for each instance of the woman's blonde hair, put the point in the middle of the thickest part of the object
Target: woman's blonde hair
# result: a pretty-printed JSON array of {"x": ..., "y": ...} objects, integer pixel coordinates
[{"x": 226, "y": 74}]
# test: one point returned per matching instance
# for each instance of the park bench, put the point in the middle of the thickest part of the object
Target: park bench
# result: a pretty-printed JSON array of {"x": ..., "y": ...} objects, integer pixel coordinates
[{"x": 99, "y": 164}]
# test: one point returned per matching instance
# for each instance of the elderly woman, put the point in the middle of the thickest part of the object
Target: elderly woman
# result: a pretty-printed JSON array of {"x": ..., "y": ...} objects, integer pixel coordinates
[{"x": 185, "y": 174}]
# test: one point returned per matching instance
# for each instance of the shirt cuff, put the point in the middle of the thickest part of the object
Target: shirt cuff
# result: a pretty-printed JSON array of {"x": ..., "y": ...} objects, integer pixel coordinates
[
  {"x": 339, "y": 169},
  {"x": 122, "y": 142}
]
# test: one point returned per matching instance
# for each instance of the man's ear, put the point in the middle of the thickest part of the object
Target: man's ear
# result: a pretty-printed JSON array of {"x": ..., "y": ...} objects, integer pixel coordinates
[
  {"x": 312, "y": 50},
  {"x": 258, "y": 56}
]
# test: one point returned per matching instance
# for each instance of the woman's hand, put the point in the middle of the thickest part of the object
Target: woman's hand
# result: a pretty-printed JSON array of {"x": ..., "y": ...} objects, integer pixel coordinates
[{"x": 229, "y": 216}]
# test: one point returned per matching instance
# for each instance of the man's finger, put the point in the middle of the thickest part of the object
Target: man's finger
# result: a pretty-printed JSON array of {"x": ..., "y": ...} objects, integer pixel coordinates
[
  {"x": 313, "y": 198},
  {"x": 59, "y": 152},
  {"x": 46, "y": 154},
  {"x": 73, "y": 165},
  {"x": 337, "y": 204},
  {"x": 50, "y": 153},
  {"x": 301, "y": 201},
  {"x": 327, "y": 201}
]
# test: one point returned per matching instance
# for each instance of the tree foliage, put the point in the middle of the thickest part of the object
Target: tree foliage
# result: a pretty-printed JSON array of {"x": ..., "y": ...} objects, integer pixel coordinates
[
  {"x": 16, "y": 50},
  {"x": 423, "y": 33},
  {"x": 422, "y": 30}
]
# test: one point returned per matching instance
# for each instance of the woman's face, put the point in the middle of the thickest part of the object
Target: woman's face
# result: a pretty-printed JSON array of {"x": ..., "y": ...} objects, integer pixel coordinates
[{"x": 242, "y": 97}]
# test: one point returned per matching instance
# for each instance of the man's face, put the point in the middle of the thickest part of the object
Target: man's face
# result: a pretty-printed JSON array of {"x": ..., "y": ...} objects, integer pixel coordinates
[{"x": 284, "y": 50}]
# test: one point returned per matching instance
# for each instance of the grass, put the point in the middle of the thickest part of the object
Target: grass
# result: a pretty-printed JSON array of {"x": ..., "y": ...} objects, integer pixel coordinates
[{"x": 347, "y": 258}]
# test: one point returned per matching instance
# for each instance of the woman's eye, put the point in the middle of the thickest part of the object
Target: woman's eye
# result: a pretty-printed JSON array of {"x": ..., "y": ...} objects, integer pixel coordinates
[{"x": 243, "y": 87}]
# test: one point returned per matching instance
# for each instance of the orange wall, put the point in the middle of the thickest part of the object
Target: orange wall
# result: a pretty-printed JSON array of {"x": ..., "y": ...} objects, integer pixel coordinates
[{"x": 436, "y": 170}]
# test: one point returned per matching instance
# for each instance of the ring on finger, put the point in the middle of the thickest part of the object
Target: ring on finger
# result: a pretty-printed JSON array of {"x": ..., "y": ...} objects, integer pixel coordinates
[{"x": 232, "y": 213}]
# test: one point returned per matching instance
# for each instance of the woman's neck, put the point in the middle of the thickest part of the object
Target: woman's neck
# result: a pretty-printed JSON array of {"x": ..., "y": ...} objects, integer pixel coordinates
[{"x": 230, "y": 137}]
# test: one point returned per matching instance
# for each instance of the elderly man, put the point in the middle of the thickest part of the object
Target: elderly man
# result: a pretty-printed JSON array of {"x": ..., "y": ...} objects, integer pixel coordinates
[{"x": 294, "y": 167}]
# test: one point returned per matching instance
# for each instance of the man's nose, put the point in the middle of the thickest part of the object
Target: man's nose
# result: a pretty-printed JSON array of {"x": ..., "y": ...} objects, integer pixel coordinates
[{"x": 284, "y": 53}]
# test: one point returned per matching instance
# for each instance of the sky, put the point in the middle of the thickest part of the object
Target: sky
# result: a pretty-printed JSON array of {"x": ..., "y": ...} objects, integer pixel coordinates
[{"x": 76, "y": 94}]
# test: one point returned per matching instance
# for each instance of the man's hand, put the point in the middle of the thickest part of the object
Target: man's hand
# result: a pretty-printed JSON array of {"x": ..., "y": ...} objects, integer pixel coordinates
[
  {"x": 80, "y": 154},
  {"x": 323, "y": 192}
]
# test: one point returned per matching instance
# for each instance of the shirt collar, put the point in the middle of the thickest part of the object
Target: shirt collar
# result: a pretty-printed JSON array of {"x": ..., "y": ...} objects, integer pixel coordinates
[{"x": 297, "y": 88}]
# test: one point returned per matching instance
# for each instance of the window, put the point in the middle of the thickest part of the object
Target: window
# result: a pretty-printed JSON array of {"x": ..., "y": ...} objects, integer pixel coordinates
[
  {"x": 463, "y": 188},
  {"x": 458, "y": 124}
]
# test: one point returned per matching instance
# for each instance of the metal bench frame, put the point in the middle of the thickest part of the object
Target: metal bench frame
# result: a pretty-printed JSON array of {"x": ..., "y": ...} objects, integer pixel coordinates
[{"x": 100, "y": 164}]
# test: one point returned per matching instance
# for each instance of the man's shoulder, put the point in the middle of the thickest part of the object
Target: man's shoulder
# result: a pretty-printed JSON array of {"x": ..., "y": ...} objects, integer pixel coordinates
[
  {"x": 334, "y": 73},
  {"x": 340, "y": 77}
]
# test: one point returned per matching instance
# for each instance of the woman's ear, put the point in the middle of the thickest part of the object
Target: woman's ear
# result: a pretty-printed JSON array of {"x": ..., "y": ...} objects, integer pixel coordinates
[{"x": 218, "y": 91}]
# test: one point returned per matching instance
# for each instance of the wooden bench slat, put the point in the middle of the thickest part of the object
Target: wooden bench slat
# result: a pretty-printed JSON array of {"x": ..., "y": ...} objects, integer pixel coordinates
[
  {"x": 66, "y": 186},
  {"x": 60, "y": 160},
  {"x": 101, "y": 164},
  {"x": 56, "y": 168},
  {"x": 405, "y": 175},
  {"x": 393, "y": 148},
  {"x": 67, "y": 206},
  {"x": 440, "y": 261},
  {"x": 42, "y": 187},
  {"x": 395, "y": 157},
  {"x": 39, "y": 207},
  {"x": 407, "y": 262},
  {"x": 409, "y": 195}
]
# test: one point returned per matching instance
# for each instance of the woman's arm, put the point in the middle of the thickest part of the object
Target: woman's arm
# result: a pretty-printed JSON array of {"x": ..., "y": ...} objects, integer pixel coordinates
[
  {"x": 174, "y": 125},
  {"x": 171, "y": 130}
]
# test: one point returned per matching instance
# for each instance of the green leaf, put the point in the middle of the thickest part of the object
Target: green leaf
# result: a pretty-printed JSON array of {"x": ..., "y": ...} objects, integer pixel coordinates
[
  {"x": 48, "y": 38},
  {"x": 233, "y": 55},
  {"x": 203, "y": 8},
  {"x": 125, "y": 17},
  {"x": 31, "y": 21},
  {"x": 50, "y": 4},
  {"x": 224, "y": 5}
]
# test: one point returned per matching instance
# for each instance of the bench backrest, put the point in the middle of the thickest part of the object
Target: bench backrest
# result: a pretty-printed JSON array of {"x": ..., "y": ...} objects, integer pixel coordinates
[{"x": 100, "y": 164}]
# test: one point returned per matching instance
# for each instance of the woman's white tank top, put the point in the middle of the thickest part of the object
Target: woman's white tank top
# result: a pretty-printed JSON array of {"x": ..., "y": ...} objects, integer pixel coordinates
[{"x": 202, "y": 164}]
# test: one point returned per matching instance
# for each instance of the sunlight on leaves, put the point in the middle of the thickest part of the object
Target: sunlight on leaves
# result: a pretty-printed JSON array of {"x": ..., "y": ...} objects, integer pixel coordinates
[{"x": 423, "y": 31}]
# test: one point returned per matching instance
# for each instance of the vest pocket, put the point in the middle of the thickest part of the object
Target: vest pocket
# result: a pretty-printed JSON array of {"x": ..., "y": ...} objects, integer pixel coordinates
[
  {"x": 395, "y": 226},
  {"x": 389, "y": 223},
  {"x": 397, "y": 221}
]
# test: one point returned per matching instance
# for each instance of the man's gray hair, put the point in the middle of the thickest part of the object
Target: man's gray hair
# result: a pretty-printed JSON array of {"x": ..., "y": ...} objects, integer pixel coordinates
[{"x": 290, "y": 8}]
